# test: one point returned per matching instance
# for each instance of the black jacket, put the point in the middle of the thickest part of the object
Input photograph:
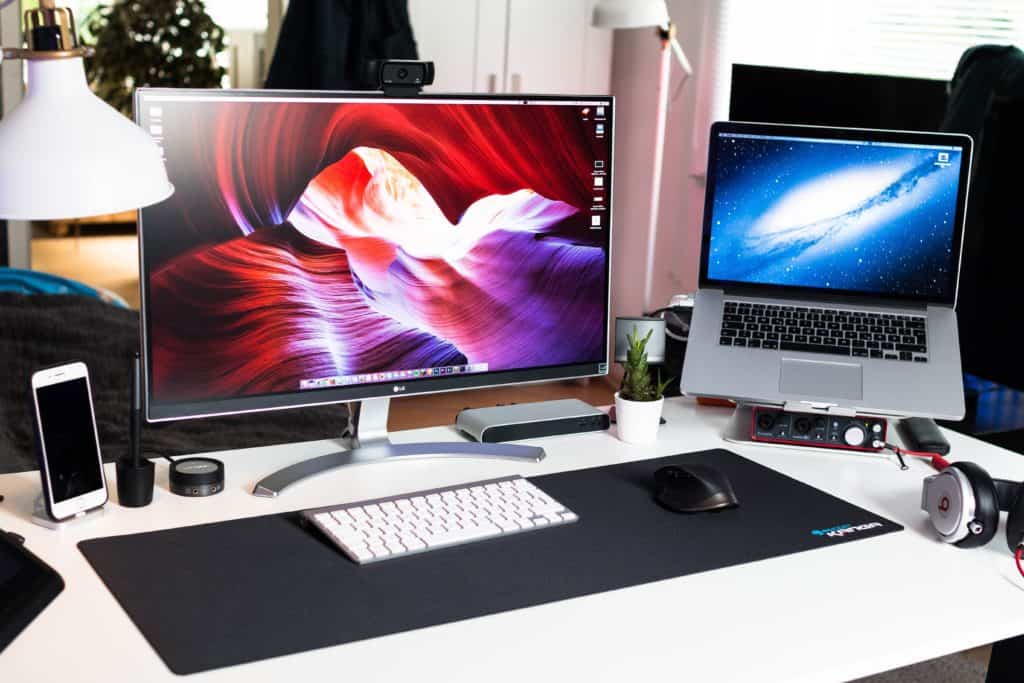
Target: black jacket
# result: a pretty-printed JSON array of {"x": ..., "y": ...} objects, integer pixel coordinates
[
  {"x": 987, "y": 102},
  {"x": 325, "y": 44}
]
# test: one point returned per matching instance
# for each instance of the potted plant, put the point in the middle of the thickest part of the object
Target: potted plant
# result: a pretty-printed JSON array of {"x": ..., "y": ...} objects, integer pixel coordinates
[{"x": 639, "y": 400}]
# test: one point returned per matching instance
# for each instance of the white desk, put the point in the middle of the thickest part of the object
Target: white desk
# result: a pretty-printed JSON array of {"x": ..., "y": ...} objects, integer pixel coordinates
[{"x": 828, "y": 615}]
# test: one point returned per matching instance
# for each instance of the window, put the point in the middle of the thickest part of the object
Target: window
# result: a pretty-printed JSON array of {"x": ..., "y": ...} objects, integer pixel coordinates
[{"x": 917, "y": 38}]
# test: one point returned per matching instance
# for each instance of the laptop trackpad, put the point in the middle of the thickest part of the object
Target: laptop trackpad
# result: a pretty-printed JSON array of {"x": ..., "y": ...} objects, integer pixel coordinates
[{"x": 821, "y": 378}]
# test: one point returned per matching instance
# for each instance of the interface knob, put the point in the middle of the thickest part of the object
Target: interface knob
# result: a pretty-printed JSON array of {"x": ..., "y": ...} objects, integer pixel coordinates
[{"x": 855, "y": 435}]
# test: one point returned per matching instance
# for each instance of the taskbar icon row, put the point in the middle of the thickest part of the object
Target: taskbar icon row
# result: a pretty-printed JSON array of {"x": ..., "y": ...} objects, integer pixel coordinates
[{"x": 391, "y": 376}]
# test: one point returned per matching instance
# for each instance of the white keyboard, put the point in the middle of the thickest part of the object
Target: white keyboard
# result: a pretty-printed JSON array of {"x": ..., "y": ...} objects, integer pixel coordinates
[{"x": 382, "y": 529}]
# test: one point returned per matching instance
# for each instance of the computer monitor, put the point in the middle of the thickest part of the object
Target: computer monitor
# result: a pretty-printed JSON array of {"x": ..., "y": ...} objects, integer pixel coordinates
[{"x": 340, "y": 247}]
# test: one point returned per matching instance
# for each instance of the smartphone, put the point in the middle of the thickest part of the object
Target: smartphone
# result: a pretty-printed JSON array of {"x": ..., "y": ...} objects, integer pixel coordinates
[{"x": 68, "y": 445}]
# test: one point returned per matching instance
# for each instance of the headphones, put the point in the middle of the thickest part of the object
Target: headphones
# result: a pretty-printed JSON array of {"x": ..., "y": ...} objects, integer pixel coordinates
[{"x": 963, "y": 503}]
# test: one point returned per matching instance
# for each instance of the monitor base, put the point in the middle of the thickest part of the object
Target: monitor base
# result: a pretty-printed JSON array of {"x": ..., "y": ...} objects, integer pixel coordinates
[{"x": 367, "y": 440}]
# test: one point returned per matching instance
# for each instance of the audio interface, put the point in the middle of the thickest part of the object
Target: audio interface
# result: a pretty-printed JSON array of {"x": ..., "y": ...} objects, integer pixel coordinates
[{"x": 857, "y": 433}]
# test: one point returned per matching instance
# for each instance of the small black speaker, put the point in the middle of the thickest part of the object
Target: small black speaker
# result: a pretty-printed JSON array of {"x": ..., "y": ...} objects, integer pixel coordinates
[{"x": 196, "y": 477}]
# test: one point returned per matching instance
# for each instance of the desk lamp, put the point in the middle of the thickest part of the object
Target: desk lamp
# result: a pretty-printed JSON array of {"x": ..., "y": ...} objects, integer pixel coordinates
[
  {"x": 616, "y": 14},
  {"x": 64, "y": 153}
]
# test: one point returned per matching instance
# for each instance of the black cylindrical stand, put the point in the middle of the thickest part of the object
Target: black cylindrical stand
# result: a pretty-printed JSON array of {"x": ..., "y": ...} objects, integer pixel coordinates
[
  {"x": 135, "y": 474},
  {"x": 134, "y": 482}
]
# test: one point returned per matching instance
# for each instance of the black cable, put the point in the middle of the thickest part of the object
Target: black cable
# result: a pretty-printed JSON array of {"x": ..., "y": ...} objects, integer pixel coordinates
[{"x": 167, "y": 458}]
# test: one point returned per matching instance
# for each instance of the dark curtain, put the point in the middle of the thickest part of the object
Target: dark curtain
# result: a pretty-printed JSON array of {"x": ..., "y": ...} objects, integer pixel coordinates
[{"x": 325, "y": 44}]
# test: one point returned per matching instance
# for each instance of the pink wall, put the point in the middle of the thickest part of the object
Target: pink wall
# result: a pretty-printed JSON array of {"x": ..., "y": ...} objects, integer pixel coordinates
[{"x": 634, "y": 81}]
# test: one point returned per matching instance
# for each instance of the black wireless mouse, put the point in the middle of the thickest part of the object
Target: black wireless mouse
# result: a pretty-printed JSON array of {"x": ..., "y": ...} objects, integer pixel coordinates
[{"x": 694, "y": 488}]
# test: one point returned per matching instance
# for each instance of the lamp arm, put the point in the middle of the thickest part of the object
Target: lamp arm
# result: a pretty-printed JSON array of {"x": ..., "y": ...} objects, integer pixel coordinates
[{"x": 677, "y": 50}]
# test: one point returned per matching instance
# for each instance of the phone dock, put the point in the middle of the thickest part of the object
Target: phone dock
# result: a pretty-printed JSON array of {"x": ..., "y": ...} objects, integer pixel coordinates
[{"x": 41, "y": 517}]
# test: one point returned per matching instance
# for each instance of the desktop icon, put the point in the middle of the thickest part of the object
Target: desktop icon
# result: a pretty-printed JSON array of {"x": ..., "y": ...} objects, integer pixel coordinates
[
  {"x": 943, "y": 157},
  {"x": 598, "y": 181},
  {"x": 599, "y": 112},
  {"x": 599, "y": 163},
  {"x": 599, "y": 129}
]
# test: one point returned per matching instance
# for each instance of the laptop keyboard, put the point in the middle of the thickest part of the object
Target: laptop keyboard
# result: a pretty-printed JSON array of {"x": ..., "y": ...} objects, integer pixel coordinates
[{"x": 840, "y": 332}]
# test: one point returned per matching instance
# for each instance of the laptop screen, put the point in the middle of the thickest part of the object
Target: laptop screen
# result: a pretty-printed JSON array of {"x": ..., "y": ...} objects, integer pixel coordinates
[{"x": 857, "y": 212}]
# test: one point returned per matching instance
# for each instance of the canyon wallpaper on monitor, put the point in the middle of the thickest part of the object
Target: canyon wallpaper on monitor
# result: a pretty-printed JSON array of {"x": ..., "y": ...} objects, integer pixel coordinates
[{"x": 318, "y": 239}]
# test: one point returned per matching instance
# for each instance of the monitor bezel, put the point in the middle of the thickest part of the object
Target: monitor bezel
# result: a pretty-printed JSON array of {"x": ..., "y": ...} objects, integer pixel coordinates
[
  {"x": 787, "y": 130},
  {"x": 158, "y": 411}
]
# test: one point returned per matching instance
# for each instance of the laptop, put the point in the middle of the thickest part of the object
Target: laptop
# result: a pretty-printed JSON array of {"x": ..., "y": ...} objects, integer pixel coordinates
[{"x": 828, "y": 270}]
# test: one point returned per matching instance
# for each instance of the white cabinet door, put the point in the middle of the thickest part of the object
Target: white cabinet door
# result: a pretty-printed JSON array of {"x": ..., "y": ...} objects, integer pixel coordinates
[
  {"x": 491, "y": 26},
  {"x": 510, "y": 46},
  {"x": 552, "y": 48},
  {"x": 446, "y": 34}
]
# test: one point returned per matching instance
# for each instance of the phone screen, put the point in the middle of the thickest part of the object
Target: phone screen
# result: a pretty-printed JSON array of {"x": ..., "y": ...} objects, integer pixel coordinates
[{"x": 65, "y": 415}]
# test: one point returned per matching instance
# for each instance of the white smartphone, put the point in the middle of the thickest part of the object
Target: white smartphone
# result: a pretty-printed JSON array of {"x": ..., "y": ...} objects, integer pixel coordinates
[{"x": 68, "y": 444}]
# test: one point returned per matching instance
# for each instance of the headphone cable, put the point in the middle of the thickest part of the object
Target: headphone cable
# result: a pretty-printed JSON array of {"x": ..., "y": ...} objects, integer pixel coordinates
[{"x": 937, "y": 461}]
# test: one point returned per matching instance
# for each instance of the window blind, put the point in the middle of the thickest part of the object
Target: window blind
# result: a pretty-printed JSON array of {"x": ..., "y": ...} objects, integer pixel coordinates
[{"x": 917, "y": 38}]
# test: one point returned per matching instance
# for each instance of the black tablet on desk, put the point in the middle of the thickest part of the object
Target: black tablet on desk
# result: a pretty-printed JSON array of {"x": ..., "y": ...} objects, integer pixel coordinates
[{"x": 27, "y": 586}]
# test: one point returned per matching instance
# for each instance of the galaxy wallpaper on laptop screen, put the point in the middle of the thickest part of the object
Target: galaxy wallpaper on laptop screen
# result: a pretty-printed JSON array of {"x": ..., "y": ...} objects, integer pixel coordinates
[
  {"x": 312, "y": 243},
  {"x": 875, "y": 218}
]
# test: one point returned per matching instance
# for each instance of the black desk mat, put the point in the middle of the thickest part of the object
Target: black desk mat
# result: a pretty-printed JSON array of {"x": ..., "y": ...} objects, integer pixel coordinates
[{"x": 232, "y": 592}]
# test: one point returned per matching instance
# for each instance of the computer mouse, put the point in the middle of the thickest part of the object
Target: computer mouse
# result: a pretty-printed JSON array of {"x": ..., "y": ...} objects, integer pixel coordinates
[{"x": 694, "y": 488}]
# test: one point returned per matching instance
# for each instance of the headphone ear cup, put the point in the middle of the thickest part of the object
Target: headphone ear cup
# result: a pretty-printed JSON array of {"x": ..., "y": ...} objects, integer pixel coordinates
[
  {"x": 986, "y": 505},
  {"x": 1015, "y": 521}
]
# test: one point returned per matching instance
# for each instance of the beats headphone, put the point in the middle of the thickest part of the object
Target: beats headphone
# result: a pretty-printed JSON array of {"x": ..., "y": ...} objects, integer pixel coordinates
[{"x": 963, "y": 503}]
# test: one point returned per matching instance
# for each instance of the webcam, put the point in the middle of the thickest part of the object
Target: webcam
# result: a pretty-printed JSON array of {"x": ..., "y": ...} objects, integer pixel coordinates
[{"x": 399, "y": 76}]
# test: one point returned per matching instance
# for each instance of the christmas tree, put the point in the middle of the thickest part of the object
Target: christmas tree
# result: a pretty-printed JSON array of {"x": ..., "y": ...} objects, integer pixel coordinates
[{"x": 159, "y": 43}]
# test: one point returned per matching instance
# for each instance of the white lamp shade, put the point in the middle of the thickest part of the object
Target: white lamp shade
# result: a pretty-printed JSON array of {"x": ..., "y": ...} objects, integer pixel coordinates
[
  {"x": 630, "y": 14},
  {"x": 64, "y": 153}
]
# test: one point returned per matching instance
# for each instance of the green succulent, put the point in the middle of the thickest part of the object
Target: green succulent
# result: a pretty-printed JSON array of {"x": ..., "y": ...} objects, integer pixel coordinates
[{"x": 636, "y": 382}]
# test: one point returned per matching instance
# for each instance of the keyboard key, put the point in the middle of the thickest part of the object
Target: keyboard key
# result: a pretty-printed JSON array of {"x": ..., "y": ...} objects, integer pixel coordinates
[
  {"x": 725, "y": 341},
  {"x": 906, "y": 355},
  {"x": 913, "y": 348},
  {"x": 814, "y": 348}
]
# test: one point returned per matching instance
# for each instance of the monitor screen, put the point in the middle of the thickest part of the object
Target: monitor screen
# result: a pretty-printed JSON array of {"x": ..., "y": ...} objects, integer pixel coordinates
[
  {"x": 857, "y": 215},
  {"x": 321, "y": 248}
]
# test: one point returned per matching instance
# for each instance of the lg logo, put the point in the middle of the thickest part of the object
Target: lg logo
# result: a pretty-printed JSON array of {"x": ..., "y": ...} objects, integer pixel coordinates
[{"x": 397, "y": 388}]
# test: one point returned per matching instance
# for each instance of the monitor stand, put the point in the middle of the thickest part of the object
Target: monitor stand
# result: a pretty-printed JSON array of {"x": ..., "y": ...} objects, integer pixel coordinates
[{"x": 366, "y": 440}]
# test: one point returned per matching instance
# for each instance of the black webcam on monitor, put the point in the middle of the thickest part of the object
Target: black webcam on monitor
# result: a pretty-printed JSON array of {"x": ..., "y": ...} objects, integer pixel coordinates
[{"x": 399, "y": 76}]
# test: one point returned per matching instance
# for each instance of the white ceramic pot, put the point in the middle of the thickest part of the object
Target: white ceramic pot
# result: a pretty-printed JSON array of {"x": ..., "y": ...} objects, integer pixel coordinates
[{"x": 638, "y": 421}]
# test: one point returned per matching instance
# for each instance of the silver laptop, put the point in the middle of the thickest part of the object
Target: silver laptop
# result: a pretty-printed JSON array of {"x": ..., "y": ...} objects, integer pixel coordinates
[{"x": 828, "y": 270}]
